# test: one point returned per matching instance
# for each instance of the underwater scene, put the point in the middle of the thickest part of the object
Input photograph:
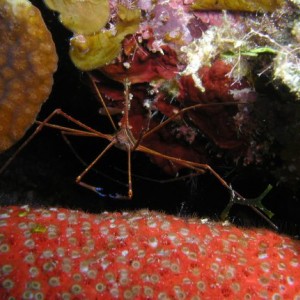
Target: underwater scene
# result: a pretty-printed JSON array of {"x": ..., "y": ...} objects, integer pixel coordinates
[{"x": 149, "y": 149}]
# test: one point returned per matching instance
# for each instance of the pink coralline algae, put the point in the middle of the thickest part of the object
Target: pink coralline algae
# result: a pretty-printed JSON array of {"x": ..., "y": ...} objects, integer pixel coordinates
[{"x": 65, "y": 254}]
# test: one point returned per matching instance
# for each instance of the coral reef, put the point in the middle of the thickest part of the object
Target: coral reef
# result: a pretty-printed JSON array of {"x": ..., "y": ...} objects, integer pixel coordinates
[
  {"x": 27, "y": 63},
  {"x": 179, "y": 72},
  {"x": 143, "y": 254},
  {"x": 177, "y": 54}
]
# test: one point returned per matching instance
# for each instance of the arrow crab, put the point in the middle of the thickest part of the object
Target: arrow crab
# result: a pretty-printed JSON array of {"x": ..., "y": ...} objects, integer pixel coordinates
[
  {"x": 165, "y": 77},
  {"x": 125, "y": 137}
]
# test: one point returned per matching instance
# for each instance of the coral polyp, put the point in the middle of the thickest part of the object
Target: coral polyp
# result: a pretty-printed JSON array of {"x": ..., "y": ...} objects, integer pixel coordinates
[
  {"x": 27, "y": 62},
  {"x": 145, "y": 254}
]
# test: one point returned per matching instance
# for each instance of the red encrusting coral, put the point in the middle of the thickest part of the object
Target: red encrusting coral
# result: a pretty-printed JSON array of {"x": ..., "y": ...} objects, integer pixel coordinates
[
  {"x": 140, "y": 63},
  {"x": 65, "y": 254},
  {"x": 157, "y": 95},
  {"x": 175, "y": 59},
  {"x": 218, "y": 89}
]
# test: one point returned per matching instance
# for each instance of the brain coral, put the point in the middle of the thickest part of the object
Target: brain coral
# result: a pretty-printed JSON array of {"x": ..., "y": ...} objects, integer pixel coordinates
[{"x": 27, "y": 62}]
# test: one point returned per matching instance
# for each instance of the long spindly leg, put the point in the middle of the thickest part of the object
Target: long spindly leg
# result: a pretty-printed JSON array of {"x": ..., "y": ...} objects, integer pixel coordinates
[
  {"x": 92, "y": 133},
  {"x": 99, "y": 190},
  {"x": 46, "y": 123},
  {"x": 79, "y": 178},
  {"x": 182, "y": 111},
  {"x": 93, "y": 80},
  {"x": 129, "y": 174},
  {"x": 235, "y": 197},
  {"x": 75, "y": 132},
  {"x": 28, "y": 140},
  {"x": 130, "y": 193},
  {"x": 85, "y": 163},
  {"x": 162, "y": 181}
]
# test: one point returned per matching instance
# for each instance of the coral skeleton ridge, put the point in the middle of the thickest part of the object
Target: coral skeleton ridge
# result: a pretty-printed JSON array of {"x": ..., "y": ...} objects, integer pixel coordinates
[{"x": 66, "y": 254}]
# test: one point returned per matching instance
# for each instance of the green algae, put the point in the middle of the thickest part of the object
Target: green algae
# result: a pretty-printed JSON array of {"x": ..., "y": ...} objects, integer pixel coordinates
[
  {"x": 38, "y": 228},
  {"x": 84, "y": 17},
  {"x": 90, "y": 52}
]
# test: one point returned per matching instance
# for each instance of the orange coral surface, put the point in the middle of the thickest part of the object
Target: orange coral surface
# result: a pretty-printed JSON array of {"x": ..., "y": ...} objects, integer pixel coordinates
[
  {"x": 65, "y": 254},
  {"x": 27, "y": 62}
]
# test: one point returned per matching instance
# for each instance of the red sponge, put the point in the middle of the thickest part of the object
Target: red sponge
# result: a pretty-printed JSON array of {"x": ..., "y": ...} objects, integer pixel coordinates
[{"x": 65, "y": 254}]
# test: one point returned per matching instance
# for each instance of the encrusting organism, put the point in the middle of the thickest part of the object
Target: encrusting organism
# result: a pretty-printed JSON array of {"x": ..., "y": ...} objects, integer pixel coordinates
[
  {"x": 27, "y": 62},
  {"x": 48, "y": 253}
]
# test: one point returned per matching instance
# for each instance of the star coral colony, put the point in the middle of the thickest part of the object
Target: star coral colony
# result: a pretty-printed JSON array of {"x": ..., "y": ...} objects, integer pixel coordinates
[{"x": 56, "y": 253}]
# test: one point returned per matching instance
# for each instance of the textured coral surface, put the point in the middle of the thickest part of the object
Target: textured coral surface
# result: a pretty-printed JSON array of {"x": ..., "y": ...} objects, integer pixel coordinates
[
  {"x": 63, "y": 254},
  {"x": 250, "y": 5},
  {"x": 27, "y": 62}
]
